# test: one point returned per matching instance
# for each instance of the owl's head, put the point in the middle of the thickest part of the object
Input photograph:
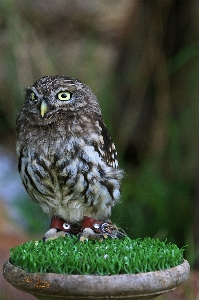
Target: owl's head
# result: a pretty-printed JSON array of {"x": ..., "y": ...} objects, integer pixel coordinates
[{"x": 59, "y": 95}]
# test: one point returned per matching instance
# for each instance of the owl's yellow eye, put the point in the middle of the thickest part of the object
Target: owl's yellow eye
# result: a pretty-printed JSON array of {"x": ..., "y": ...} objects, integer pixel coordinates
[
  {"x": 32, "y": 96},
  {"x": 64, "y": 96}
]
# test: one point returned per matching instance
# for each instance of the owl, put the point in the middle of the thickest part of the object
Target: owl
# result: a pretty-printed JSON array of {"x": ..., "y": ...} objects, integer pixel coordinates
[{"x": 66, "y": 158}]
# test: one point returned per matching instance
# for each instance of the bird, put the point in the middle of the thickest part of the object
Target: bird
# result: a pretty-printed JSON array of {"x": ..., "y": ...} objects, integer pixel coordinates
[{"x": 66, "y": 157}]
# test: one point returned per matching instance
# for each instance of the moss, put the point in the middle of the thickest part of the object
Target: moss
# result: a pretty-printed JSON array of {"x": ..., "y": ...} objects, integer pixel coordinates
[{"x": 116, "y": 256}]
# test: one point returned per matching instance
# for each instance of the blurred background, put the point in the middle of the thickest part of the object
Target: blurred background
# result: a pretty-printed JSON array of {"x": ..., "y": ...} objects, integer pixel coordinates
[{"x": 141, "y": 59}]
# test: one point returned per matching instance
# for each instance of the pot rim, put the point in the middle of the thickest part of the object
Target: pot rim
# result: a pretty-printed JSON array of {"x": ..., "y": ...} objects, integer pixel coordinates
[{"x": 122, "y": 285}]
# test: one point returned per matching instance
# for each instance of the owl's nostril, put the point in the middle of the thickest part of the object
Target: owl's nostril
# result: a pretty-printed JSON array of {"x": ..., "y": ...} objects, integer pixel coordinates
[{"x": 44, "y": 108}]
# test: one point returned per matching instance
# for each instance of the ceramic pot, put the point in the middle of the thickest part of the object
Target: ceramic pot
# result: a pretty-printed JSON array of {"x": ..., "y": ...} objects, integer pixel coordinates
[{"x": 127, "y": 286}]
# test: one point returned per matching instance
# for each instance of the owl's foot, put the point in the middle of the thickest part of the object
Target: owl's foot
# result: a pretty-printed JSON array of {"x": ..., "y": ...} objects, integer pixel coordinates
[
  {"x": 89, "y": 234},
  {"x": 53, "y": 234},
  {"x": 59, "y": 227},
  {"x": 98, "y": 230}
]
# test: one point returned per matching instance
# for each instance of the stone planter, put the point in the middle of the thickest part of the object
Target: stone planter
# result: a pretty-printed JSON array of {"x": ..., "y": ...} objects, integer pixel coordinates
[{"x": 128, "y": 286}]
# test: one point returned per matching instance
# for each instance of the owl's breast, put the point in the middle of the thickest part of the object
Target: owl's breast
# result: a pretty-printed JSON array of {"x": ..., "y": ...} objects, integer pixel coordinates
[{"x": 63, "y": 172}]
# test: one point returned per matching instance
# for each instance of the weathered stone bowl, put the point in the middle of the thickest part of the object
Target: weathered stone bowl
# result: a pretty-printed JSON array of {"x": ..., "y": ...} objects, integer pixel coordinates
[{"x": 128, "y": 286}]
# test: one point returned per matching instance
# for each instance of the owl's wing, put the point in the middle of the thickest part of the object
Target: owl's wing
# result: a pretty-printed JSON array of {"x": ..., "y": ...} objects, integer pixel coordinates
[{"x": 108, "y": 150}]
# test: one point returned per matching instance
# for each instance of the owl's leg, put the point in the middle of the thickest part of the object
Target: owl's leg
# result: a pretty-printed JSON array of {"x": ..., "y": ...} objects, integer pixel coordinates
[
  {"x": 98, "y": 230},
  {"x": 90, "y": 229},
  {"x": 59, "y": 227}
]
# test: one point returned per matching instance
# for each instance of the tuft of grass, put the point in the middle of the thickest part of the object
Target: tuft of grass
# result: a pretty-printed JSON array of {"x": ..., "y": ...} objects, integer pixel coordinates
[{"x": 113, "y": 256}]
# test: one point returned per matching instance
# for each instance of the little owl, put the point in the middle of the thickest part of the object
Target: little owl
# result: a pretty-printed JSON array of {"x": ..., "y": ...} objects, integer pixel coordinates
[{"x": 66, "y": 158}]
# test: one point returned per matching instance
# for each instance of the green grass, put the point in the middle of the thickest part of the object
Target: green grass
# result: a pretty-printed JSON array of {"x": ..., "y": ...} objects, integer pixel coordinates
[{"x": 116, "y": 256}]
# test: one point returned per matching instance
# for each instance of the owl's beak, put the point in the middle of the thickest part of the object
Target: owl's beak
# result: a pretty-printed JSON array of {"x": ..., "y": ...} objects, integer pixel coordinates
[{"x": 44, "y": 108}]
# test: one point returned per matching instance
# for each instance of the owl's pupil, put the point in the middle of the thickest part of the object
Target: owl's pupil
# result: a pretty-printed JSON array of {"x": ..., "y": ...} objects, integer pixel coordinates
[{"x": 64, "y": 96}]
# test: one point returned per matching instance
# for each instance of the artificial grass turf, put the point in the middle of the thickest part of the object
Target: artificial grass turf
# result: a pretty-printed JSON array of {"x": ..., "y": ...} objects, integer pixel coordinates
[{"x": 110, "y": 257}]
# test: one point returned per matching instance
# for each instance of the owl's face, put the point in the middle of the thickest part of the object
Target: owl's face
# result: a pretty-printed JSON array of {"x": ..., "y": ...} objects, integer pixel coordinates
[{"x": 52, "y": 96}]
